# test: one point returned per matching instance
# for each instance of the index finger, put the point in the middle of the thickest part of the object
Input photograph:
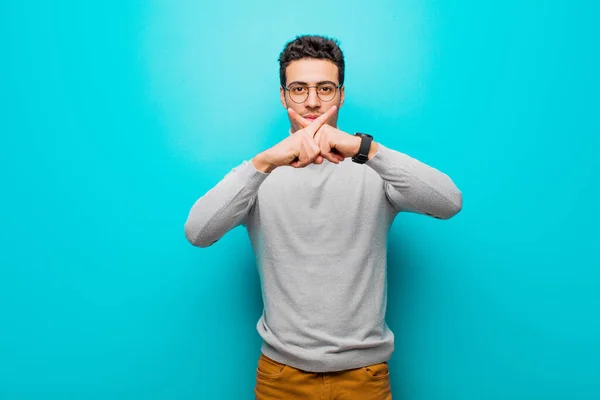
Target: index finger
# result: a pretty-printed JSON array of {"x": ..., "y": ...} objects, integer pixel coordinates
[
  {"x": 316, "y": 124},
  {"x": 299, "y": 119}
]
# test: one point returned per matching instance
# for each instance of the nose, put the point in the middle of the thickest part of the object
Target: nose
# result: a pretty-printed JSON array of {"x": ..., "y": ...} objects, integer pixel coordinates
[{"x": 313, "y": 100}]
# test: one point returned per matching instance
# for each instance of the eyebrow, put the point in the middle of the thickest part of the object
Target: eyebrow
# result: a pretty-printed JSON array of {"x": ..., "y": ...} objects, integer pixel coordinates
[{"x": 318, "y": 83}]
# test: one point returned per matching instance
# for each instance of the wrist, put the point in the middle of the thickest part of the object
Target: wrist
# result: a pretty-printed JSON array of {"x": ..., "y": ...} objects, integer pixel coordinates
[
  {"x": 358, "y": 141},
  {"x": 374, "y": 147},
  {"x": 262, "y": 164}
]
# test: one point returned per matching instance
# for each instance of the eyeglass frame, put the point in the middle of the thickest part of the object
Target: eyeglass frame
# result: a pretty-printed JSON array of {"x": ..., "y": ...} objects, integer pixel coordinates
[{"x": 316, "y": 87}]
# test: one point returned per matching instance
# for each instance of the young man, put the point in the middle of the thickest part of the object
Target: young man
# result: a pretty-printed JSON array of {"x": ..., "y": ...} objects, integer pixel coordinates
[{"x": 318, "y": 207}]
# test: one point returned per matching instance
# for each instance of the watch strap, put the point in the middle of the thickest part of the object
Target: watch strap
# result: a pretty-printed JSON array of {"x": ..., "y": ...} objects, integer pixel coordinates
[{"x": 365, "y": 146}]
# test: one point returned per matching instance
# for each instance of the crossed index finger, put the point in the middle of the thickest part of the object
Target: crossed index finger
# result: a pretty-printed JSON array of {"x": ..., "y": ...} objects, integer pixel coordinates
[{"x": 313, "y": 127}]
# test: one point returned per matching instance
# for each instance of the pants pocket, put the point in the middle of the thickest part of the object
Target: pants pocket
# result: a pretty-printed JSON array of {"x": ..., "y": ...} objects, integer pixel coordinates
[
  {"x": 377, "y": 371},
  {"x": 269, "y": 368}
]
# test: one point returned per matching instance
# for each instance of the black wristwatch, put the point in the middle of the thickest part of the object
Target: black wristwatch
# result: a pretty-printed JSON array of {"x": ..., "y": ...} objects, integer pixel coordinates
[{"x": 365, "y": 146}]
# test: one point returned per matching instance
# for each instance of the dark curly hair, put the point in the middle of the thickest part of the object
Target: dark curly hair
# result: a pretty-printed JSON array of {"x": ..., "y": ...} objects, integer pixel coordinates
[{"x": 311, "y": 46}]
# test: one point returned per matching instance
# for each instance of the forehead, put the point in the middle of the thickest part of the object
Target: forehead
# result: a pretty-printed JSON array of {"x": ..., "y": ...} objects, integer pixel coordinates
[{"x": 311, "y": 71}]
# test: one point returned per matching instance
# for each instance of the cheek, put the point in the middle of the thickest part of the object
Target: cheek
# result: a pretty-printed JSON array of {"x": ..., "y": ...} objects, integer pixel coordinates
[{"x": 295, "y": 107}]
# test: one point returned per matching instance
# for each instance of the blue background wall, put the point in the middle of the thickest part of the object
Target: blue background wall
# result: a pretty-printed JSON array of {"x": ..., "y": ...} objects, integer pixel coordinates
[{"x": 117, "y": 116}]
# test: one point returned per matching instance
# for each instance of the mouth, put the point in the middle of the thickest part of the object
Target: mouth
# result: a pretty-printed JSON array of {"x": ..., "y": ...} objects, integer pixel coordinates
[{"x": 311, "y": 117}]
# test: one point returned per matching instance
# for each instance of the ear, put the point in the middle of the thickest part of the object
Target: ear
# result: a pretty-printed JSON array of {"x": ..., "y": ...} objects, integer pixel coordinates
[
  {"x": 342, "y": 96},
  {"x": 282, "y": 97}
]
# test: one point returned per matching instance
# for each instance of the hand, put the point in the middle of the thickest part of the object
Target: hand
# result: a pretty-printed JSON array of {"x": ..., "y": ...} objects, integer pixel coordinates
[
  {"x": 299, "y": 149},
  {"x": 335, "y": 145}
]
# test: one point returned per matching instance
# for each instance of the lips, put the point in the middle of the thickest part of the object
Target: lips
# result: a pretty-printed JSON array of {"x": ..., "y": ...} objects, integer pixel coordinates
[{"x": 312, "y": 117}]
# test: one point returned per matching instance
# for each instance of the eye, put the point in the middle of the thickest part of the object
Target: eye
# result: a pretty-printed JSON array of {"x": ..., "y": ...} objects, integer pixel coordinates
[
  {"x": 298, "y": 89},
  {"x": 326, "y": 89}
]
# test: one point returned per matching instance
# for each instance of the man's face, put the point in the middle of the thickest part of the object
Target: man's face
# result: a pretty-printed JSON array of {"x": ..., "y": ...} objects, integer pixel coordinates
[{"x": 312, "y": 72}]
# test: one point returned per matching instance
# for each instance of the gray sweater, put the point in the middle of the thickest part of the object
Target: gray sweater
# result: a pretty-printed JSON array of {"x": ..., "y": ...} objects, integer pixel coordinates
[{"x": 319, "y": 235}]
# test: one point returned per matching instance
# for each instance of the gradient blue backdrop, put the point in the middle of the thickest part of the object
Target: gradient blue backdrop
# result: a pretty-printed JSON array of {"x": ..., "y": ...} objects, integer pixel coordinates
[{"x": 116, "y": 116}]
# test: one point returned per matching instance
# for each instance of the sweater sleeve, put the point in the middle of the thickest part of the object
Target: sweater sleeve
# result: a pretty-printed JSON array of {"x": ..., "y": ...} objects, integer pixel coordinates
[
  {"x": 413, "y": 186},
  {"x": 225, "y": 206}
]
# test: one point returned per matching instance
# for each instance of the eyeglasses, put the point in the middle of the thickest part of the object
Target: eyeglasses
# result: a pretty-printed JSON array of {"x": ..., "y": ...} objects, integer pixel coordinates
[{"x": 299, "y": 92}]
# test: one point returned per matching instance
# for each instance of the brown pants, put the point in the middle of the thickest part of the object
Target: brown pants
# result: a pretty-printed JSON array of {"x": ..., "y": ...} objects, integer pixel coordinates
[{"x": 277, "y": 381}]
